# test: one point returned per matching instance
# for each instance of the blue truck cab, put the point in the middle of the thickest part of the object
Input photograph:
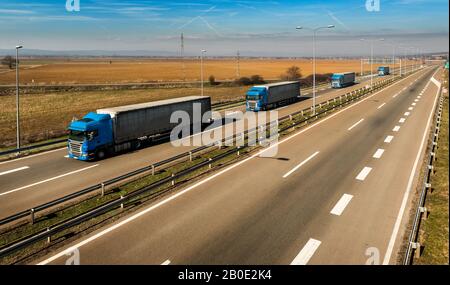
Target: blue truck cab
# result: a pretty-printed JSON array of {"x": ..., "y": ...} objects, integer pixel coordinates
[
  {"x": 256, "y": 99},
  {"x": 90, "y": 137},
  {"x": 383, "y": 71}
]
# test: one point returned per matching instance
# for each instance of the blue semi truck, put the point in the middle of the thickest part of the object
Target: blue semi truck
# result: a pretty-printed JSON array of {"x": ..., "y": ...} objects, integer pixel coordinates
[
  {"x": 114, "y": 130},
  {"x": 268, "y": 96},
  {"x": 383, "y": 71},
  {"x": 341, "y": 80}
]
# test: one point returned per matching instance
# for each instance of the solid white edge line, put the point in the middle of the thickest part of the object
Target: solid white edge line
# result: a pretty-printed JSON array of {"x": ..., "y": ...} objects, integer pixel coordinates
[
  {"x": 387, "y": 256},
  {"x": 14, "y": 170},
  {"x": 47, "y": 180},
  {"x": 341, "y": 205},
  {"x": 356, "y": 124},
  {"x": 364, "y": 173},
  {"x": 301, "y": 164},
  {"x": 379, "y": 153},
  {"x": 307, "y": 252},
  {"x": 165, "y": 201}
]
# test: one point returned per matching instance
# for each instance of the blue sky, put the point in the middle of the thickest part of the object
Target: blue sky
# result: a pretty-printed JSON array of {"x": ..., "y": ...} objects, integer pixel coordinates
[{"x": 223, "y": 26}]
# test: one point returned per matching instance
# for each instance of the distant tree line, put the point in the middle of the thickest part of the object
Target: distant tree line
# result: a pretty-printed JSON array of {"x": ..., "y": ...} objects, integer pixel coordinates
[{"x": 9, "y": 61}]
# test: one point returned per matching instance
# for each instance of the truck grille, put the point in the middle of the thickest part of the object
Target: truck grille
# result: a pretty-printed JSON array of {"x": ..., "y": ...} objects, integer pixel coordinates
[
  {"x": 75, "y": 148},
  {"x": 252, "y": 105}
]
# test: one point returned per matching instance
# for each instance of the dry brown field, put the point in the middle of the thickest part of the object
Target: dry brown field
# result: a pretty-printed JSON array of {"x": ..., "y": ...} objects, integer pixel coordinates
[
  {"x": 153, "y": 70},
  {"x": 45, "y": 116}
]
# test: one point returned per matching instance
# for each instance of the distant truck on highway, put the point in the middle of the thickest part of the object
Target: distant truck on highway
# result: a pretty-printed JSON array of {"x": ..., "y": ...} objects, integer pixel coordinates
[
  {"x": 341, "y": 80},
  {"x": 114, "y": 130},
  {"x": 383, "y": 70},
  {"x": 268, "y": 96}
]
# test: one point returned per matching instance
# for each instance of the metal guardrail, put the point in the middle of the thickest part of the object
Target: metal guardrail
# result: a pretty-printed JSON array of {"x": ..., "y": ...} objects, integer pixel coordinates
[
  {"x": 413, "y": 244},
  {"x": 57, "y": 228},
  {"x": 32, "y": 147}
]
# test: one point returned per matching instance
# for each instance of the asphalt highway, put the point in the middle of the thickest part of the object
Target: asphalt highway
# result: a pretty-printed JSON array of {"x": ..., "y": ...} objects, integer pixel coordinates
[{"x": 336, "y": 193}]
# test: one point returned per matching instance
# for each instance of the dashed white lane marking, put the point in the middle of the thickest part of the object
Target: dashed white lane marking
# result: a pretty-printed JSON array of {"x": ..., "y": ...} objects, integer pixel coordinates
[
  {"x": 300, "y": 165},
  {"x": 307, "y": 252},
  {"x": 407, "y": 113},
  {"x": 395, "y": 95},
  {"x": 410, "y": 108},
  {"x": 381, "y": 106},
  {"x": 396, "y": 129},
  {"x": 413, "y": 104},
  {"x": 356, "y": 124},
  {"x": 14, "y": 170},
  {"x": 417, "y": 100},
  {"x": 167, "y": 262},
  {"x": 48, "y": 180},
  {"x": 379, "y": 153},
  {"x": 341, "y": 205},
  {"x": 363, "y": 174},
  {"x": 402, "y": 120},
  {"x": 389, "y": 139}
]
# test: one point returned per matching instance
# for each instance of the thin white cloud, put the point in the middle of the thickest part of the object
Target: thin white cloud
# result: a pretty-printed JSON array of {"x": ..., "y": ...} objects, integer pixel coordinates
[{"x": 15, "y": 12}]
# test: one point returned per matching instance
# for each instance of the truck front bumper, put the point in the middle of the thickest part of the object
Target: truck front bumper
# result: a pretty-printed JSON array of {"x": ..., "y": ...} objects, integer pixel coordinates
[{"x": 83, "y": 157}]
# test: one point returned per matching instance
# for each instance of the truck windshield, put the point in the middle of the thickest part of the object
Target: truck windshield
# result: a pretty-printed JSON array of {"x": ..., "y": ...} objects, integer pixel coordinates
[
  {"x": 81, "y": 136},
  {"x": 77, "y": 135},
  {"x": 254, "y": 98}
]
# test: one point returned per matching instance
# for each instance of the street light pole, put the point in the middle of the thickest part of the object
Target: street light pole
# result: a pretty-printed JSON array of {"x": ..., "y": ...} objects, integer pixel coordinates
[
  {"x": 201, "y": 67},
  {"x": 371, "y": 59},
  {"x": 371, "y": 64},
  {"x": 17, "y": 97},
  {"x": 314, "y": 61}
]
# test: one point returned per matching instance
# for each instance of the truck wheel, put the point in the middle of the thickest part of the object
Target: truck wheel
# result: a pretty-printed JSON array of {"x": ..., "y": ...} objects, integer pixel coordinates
[{"x": 100, "y": 154}]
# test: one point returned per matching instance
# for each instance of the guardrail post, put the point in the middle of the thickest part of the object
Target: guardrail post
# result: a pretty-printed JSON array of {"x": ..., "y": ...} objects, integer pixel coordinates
[
  {"x": 424, "y": 211},
  {"x": 416, "y": 247},
  {"x": 190, "y": 156},
  {"x": 121, "y": 204},
  {"x": 433, "y": 155},
  {"x": 238, "y": 152},
  {"x": 173, "y": 181},
  {"x": 210, "y": 166},
  {"x": 49, "y": 238},
  {"x": 32, "y": 216},
  {"x": 153, "y": 169},
  {"x": 290, "y": 117},
  {"x": 103, "y": 189}
]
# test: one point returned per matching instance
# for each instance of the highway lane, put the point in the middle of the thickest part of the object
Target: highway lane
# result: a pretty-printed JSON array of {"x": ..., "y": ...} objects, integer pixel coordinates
[
  {"x": 265, "y": 210},
  {"x": 50, "y": 175}
]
